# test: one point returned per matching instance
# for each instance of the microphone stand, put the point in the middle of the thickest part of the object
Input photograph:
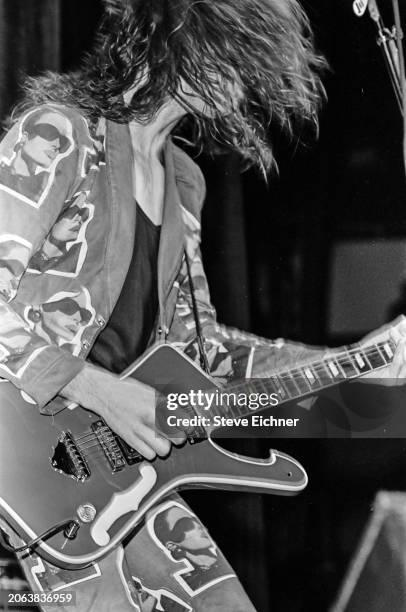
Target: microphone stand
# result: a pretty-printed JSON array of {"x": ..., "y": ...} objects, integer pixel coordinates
[
  {"x": 387, "y": 41},
  {"x": 390, "y": 42},
  {"x": 401, "y": 70}
]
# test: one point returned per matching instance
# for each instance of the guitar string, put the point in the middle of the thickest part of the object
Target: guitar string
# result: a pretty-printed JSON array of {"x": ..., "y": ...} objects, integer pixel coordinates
[
  {"x": 285, "y": 376},
  {"x": 105, "y": 438},
  {"x": 90, "y": 433},
  {"x": 231, "y": 411},
  {"x": 290, "y": 387},
  {"x": 295, "y": 390},
  {"x": 322, "y": 366},
  {"x": 95, "y": 442},
  {"x": 341, "y": 358}
]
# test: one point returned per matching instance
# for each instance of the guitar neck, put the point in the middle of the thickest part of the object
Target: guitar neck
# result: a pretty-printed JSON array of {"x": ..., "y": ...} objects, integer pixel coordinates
[{"x": 293, "y": 384}]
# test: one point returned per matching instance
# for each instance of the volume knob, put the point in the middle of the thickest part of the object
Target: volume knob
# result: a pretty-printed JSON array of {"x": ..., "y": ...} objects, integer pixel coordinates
[{"x": 86, "y": 512}]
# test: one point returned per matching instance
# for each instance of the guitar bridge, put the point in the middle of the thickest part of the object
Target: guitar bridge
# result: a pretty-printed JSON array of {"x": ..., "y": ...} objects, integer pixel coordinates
[
  {"x": 108, "y": 442},
  {"x": 68, "y": 459}
]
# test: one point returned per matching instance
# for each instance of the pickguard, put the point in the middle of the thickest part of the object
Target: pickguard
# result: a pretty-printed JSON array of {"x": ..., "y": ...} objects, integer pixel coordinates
[{"x": 128, "y": 500}]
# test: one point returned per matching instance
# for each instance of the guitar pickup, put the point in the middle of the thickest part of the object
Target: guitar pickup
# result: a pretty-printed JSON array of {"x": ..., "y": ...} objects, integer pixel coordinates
[
  {"x": 108, "y": 443},
  {"x": 131, "y": 455}
]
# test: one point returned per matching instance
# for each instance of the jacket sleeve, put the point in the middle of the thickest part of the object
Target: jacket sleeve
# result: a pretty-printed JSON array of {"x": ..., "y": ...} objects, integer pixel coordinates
[
  {"x": 231, "y": 353},
  {"x": 39, "y": 161}
]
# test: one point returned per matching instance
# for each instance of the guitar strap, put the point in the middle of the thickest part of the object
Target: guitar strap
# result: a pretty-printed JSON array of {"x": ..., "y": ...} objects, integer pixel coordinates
[{"x": 200, "y": 340}]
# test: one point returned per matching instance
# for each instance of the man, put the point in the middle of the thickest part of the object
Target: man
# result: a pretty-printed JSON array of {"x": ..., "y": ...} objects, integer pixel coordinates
[{"x": 230, "y": 66}]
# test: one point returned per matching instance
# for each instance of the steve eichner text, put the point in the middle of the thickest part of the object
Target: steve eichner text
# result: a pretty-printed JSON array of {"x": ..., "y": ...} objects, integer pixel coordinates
[{"x": 207, "y": 400}]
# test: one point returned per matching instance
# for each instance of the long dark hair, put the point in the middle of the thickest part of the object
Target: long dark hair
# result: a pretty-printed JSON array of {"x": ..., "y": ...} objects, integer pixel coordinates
[{"x": 252, "y": 62}]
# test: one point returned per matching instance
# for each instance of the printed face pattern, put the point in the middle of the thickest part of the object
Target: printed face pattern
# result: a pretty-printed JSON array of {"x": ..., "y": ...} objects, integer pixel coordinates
[
  {"x": 17, "y": 348},
  {"x": 14, "y": 254},
  {"x": 180, "y": 534},
  {"x": 62, "y": 319},
  {"x": 64, "y": 249},
  {"x": 27, "y": 173},
  {"x": 46, "y": 234}
]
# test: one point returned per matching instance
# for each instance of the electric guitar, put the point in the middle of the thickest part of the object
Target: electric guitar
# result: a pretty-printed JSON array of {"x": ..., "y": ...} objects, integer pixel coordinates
[{"x": 71, "y": 468}]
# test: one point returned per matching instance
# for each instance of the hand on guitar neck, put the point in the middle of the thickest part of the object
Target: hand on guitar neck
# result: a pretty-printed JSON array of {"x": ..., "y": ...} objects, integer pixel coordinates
[{"x": 395, "y": 372}]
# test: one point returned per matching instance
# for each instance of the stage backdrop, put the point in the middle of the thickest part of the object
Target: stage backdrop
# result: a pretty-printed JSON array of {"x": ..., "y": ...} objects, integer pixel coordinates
[{"x": 29, "y": 43}]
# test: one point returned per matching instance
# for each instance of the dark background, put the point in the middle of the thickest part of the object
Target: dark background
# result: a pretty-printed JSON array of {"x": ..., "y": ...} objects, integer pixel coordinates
[{"x": 268, "y": 252}]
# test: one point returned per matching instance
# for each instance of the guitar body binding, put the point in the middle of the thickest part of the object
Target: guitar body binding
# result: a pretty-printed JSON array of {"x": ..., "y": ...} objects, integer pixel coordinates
[{"x": 43, "y": 462}]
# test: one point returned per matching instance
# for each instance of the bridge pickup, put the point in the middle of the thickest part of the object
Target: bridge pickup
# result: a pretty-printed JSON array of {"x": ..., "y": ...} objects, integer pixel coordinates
[
  {"x": 108, "y": 442},
  {"x": 68, "y": 459}
]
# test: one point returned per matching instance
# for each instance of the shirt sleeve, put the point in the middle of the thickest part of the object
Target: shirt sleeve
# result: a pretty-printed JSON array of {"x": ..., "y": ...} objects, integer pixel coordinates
[{"x": 39, "y": 159}]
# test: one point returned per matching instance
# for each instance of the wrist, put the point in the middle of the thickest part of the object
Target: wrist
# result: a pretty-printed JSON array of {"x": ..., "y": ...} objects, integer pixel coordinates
[{"x": 89, "y": 388}]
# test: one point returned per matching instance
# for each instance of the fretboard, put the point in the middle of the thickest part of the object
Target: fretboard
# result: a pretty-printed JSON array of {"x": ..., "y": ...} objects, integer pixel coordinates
[{"x": 346, "y": 364}]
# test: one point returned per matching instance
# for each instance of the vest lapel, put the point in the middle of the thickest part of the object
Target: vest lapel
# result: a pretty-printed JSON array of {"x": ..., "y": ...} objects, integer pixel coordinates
[
  {"x": 122, "y": 206},
  {"x": 172, "y": 238}
]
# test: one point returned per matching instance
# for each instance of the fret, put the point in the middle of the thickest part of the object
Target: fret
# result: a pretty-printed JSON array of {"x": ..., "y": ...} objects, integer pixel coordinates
[
  {"x": 279, "y": 387},
  {"x": 324, "y": 374},
  {"x": 301, "y": 381},
  {"x": 238, "y": 410},
  {"x": 347, "y": 364},
  {"x": 312, "y": 378},
  {"x": 224, "y": 405},
  {"x": 335, "y": 369},
  {"x": 260, "y": 385},
  {"x": 274, "y": 388},
  {"x": 387, "y": 351},
  {"x": 214, "y": 410},
  {"x": 365, "y": 356},
  {"x": 374, "y": 357},
  {"x": 382, "y": 353},
  {"x": 361, "y": 361},
  {"x": 268, "y": 386},
  {"x": 290, "y": 384},
  {"x": 250, "y": 388},
  {"x": 235, "y": 408}
]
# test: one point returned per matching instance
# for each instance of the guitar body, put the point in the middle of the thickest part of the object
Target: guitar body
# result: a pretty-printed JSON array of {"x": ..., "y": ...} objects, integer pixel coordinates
[{"x": 37, "y": 453}]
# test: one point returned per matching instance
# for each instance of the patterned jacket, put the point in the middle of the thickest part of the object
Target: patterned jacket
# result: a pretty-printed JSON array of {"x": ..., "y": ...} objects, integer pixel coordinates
[{"x": 67, "y": 223}]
